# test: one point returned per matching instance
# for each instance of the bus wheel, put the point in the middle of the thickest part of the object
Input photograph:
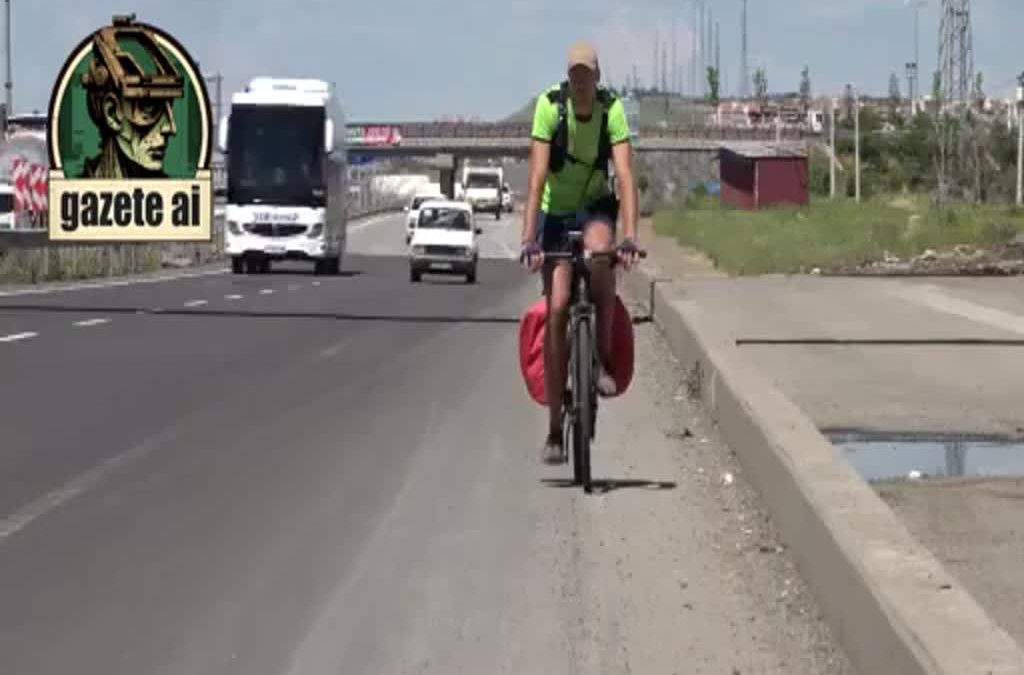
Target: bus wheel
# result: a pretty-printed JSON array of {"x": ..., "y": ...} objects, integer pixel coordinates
[{"x": 237, "y": 264}]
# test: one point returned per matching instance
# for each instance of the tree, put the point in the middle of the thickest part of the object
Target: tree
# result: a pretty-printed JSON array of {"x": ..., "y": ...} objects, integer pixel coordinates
[
  {"x": 713, "y": 86},
  {"x": 895, "y": 98},
  {"x": 979, "y": 92},
  {"x": 805, "y": 89},
  {"x": 761, "y": 85}
]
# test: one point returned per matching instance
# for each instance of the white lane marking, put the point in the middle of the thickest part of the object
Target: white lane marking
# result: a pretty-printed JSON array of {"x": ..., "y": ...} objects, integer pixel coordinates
[
  {"x": 372, "y": 221},
  {"x": 233, "y": 297},
  {"x": 293, "y": 287},
  {"x": 266, "y": 291},
  {"x": 54, "y": 500},
  {"x": 109, "y": 284},
  {"x": 316, "y": 283},
  {"x": 334, "y": 349},
  {"x": 14, "y": 337},
  {"x": 91, "y": 322},
  {"x": 937, "y": 299},
  {"x": 195, "y": 303}
]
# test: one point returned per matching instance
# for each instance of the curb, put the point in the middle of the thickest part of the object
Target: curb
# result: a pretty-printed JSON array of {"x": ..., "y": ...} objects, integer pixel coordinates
[{"x": 888, "y": 601}]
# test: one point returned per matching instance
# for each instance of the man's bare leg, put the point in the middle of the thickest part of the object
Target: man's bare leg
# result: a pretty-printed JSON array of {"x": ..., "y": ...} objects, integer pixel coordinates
[
  {"x": 598, "y": 237},
  {"x": 556, "y": 353}
]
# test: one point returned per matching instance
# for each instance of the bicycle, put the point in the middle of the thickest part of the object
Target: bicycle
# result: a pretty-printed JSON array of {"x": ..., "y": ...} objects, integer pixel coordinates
[{"x": 579, "y": 407}]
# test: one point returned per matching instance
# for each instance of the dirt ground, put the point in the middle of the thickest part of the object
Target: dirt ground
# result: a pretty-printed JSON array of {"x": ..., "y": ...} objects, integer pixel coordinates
[
  {"x": 974, "y": 526},
  {"x": 668, "y": 259}
]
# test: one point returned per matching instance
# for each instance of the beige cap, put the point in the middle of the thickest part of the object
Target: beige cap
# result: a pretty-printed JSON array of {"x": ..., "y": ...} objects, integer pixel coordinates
[{"x": 582, "y": 53}]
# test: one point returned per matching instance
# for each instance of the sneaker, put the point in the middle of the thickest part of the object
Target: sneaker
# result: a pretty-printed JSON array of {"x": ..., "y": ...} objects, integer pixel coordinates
[
  {"x": 606, "y": 385},
  {"x": 553, "y": 451}
]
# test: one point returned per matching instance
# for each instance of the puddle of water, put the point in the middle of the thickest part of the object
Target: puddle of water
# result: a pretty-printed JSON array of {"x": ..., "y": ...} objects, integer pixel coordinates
[{"x": 918, "y": 456}]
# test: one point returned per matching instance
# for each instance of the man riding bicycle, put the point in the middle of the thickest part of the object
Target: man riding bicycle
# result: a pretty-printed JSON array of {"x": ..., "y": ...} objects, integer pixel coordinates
[{"x": 577, "y": 128}]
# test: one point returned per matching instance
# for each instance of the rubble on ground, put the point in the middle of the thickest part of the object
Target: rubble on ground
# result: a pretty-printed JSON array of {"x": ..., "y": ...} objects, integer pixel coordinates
[{"x": 962, "y": 259}]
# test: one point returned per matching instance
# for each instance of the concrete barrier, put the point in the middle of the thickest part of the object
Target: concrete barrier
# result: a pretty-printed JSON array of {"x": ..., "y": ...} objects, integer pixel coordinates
[{"x": 889, "y": 602}]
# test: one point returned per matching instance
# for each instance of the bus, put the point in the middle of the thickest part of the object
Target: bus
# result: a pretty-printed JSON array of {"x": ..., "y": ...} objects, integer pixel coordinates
[{"x": 285, "y": 152}]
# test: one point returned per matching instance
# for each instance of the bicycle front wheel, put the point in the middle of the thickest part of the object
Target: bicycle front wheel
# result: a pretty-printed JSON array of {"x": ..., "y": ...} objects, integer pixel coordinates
[{"x": 583, "y": 392}]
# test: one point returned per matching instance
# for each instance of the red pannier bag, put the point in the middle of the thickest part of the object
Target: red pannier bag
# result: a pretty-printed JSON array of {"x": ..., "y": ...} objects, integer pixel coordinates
[{"x": 531, "y": 349}]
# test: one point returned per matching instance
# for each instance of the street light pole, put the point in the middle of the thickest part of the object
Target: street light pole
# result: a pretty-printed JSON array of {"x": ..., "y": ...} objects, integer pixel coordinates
[
  {"x": 9, "y": 84},
  {"x": 832, "y": 159},
  {"x": 856, "y": 142}
]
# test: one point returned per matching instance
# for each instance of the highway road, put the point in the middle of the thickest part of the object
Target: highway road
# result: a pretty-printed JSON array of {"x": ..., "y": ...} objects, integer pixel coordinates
[{"x": 299, "y": 475}]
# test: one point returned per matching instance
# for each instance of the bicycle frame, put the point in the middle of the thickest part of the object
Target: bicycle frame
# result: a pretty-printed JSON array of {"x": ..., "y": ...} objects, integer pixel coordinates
[{"x": 582, "y": 335}]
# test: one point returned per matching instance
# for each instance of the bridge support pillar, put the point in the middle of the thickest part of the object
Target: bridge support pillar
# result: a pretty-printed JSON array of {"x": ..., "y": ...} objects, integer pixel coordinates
[{"x": 448, "y": 163}]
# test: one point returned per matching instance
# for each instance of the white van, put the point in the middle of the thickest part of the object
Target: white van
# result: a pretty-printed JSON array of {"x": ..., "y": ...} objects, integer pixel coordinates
[{"x": 482, "y": 188}]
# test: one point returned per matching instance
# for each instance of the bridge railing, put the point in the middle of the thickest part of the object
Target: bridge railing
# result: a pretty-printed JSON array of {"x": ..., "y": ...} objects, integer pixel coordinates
[{"x": 518, "y": 130}]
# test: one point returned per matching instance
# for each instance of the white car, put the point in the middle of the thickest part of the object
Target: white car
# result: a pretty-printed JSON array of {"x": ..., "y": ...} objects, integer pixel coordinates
[
  {"x": 412, "y": 211},
  {"x": 444, "y": 240}
]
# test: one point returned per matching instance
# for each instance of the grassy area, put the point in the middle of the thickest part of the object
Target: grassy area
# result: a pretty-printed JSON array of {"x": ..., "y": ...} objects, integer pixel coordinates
[{"x": 832, "y": 234}]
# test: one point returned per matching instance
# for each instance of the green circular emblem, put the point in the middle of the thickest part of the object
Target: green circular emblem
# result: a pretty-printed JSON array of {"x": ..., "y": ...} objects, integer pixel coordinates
[{"x": 129, "y": 103}]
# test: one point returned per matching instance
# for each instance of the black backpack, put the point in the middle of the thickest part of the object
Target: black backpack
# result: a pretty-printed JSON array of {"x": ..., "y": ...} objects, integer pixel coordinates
[{"x": 560, "y": 142}]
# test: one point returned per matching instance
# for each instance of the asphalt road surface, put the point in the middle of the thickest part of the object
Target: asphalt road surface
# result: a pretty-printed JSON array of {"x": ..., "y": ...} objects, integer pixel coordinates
[{"x": 289, "y": 474}]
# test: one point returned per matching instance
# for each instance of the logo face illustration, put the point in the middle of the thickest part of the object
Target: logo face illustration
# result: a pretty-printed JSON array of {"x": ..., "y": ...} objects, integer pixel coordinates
[{"x": 129, "y": 140}]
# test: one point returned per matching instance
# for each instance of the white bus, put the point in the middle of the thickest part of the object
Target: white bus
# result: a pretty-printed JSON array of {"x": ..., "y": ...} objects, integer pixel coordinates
[{"x": 287, "y": 175}]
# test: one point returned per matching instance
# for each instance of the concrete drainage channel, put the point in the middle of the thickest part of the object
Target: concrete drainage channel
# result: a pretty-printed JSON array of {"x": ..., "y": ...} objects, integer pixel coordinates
[{"x": 889, "y": 602}]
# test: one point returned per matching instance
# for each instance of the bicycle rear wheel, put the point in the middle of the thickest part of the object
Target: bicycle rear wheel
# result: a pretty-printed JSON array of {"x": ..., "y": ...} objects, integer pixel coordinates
[{"x": 583, "y": 394}]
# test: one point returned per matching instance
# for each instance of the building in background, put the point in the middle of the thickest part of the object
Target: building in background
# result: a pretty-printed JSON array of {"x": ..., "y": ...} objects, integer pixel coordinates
[{"x": 757, "y": 177}]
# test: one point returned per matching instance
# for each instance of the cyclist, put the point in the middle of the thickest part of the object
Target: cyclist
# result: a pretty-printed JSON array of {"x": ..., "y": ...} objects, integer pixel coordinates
[{"x": 569, "y": 189}]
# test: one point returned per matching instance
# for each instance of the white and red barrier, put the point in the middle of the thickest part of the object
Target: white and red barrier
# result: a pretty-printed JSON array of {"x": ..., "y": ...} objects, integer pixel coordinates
[{"x": 30, "y": 189}]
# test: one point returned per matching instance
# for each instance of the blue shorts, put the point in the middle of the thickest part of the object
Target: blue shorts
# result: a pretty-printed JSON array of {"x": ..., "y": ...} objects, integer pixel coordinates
[{"x": 553, "y": 229}]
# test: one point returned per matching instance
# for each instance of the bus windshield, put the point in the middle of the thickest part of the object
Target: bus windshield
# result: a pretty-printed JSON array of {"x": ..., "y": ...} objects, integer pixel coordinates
[{"x": 275, "y": 155}]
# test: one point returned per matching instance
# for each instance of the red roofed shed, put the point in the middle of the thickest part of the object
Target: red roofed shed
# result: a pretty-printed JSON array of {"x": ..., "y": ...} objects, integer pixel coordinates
[{"x": 753, "y": 177}]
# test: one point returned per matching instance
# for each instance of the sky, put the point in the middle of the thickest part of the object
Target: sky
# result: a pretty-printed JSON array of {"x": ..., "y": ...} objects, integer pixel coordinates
[{"x": 405, "y": 60}]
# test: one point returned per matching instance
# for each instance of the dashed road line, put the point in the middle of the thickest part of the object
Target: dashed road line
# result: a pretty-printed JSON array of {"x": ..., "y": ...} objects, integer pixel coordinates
[
  {"x": 14, "y": 337},
  {"x": 294, "y": 287},
  {"x": 91, "y": 322},
  {"x": 266, "y": 291},
  {"x": 233, "y": 296},
  {"x": 371, "y": 221},
  {"x": 316, "y": 283},
  {"x": 195, "y": 303}
]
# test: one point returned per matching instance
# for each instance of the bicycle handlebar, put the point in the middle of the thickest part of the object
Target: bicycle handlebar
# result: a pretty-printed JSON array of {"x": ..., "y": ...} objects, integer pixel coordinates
[{"x": 570, "y": 255}]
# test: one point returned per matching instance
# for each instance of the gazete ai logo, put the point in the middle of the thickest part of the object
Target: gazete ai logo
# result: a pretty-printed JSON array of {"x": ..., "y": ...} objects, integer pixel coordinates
[{"x": 129, "y": 140}]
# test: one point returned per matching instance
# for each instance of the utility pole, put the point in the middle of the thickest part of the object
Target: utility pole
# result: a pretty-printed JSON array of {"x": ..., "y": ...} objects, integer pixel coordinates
[
  {"x": 693, "y": 55},
  {"x": 718, "y": 54},
  {"x": 654, "y": 78},
  {"x": 217, "y": 79},
  {"x": 856, "y": 142},
  {"x": 832, "y": 159},
  {"x": 674, "y": 71},
  {"x": 703, "y": 52},
  {"x": 1020, "y": 140},
  {"x": 744, "y": 66},
  {"x": 9, "y": 84}
]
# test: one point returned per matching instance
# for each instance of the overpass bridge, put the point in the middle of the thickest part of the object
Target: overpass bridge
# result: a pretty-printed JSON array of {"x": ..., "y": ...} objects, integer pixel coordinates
[
  {"x": 388, "y": 139},
  {"x": 452, "y": 143}
]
